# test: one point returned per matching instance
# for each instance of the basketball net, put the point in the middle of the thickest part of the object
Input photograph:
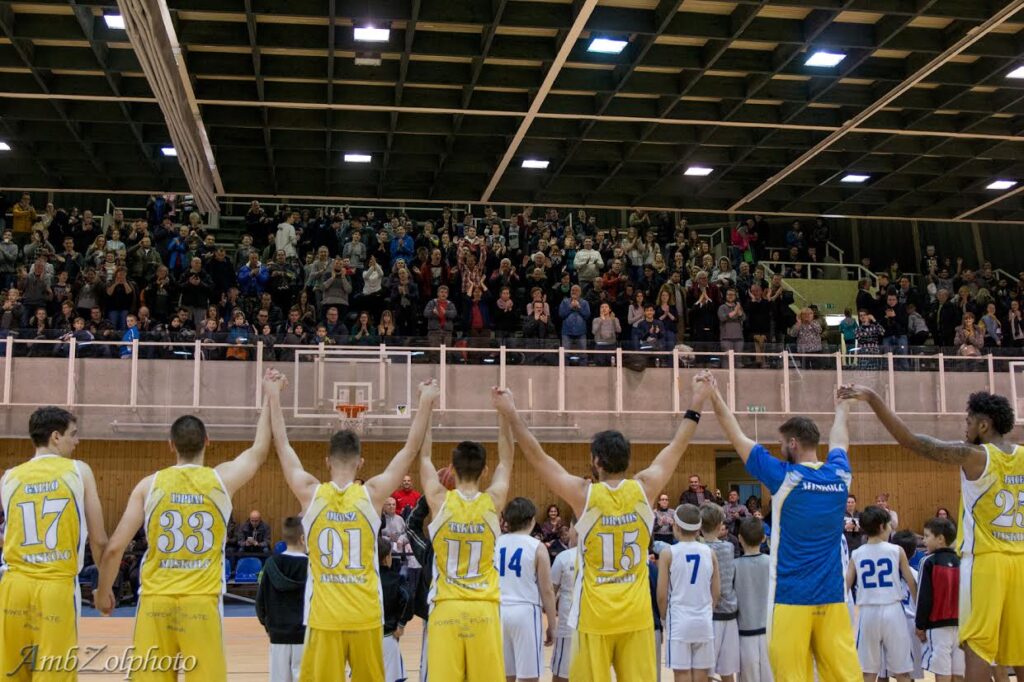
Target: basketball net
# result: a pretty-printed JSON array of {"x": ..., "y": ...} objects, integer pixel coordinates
[{"x": 351, "y": 416}]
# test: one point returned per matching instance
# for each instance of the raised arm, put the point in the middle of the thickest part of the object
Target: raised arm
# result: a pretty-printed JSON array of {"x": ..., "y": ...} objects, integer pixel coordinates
[
  {"x": 839, "y": 437},
  {"x": 238, "y": 471},
  {"x": 971, "y": 458},
  {"x": 727, "y": 420},
  {"x": 655, "y": 476},
  {"x": 110, "y": 563},
  {"x": 383, "y": 484},
  {"x": 302, "y": 483},
  {"x": 498, "y": 489},
  {"x": 572, "y": 489},
  {"x": 93, "y": 514},
  {"x": 432, "y": 488}
]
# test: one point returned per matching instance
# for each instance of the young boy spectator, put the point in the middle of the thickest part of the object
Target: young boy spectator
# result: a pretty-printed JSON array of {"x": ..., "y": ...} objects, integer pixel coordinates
[
  {"x": 396, "y": 603},
  {"x": 938, "y": 603},
  {"x": 881, "y": 625},
  {"x": 752, "y": 570},
  {"x": 727, "y": 635},
  {"x": 688, "y": 590},
  {"x": 280, "y": 602},
  {"x": 907, "y": 541}
]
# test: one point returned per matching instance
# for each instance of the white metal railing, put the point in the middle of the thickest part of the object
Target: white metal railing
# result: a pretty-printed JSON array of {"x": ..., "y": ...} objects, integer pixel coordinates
[
  {"x": 808, "y": 268},
  {"x": 881, "y": 370},
  {"x": 1007, "y": 275}
]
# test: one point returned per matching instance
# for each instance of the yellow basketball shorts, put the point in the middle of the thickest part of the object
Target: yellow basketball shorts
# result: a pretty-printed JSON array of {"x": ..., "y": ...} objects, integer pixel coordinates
[
  {"x": 39, "y": 628},
  {"x": 179, "y": 633},
  {"x": 327, "y": 652},
  {"x": 464, "y": 642},
  {"x": 804, "y": 636},
  {"x": 991, "y": 622},
  {"x": 631, "y": 654}
]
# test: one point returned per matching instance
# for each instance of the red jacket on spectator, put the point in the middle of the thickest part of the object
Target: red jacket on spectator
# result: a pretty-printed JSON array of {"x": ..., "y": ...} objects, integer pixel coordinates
[
  {"x": 426, "y": 280},
  {"x": 405, "y": 498}
]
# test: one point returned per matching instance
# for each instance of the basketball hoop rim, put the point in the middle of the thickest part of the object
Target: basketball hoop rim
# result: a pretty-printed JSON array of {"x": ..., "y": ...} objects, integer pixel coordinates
[{"x": 351, "y": 416}]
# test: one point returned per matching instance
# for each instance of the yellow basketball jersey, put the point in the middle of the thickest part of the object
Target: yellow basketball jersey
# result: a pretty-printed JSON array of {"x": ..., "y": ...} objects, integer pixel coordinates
[
  {"x": 992, "y": 510},
  {"x": 44, "y": 504},
  {"x": 612, "y": 593},
  {"x": 187, "y": 509},
  {"x": 463, "y": 534},
  {"x": 343, "y": 584}
]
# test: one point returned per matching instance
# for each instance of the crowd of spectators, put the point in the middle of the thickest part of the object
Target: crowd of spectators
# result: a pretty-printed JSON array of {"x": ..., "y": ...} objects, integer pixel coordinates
[{"x": 536, "y": 280}]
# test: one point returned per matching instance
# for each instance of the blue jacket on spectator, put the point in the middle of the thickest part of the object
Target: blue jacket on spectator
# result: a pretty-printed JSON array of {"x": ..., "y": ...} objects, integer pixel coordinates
[
  {"x": 404, "y": 248},
  {"x": 252, "y": 282},
  {"x": 130, "y": 334},
  {"x": 574, "y": 322}
]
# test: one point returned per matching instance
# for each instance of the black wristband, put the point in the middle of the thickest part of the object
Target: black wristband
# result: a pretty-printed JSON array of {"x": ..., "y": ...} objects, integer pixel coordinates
[{"x": 692, "y": 415}]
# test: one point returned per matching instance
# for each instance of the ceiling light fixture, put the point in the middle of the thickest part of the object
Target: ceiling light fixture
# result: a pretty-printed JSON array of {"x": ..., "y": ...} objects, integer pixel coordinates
[
  {"x": 1001, "y": 184},
  {"x": 1016, "y": 73},
  {"x": 4, "y": 147},
  {"x": 169, "y": 151},
  {"x": 358, "y": 158},
  {"x": 699, "y": 171},
  {"x": 607, "y": 45},
  {"x": 114, "y": 21},
  {"x": 371, "y": 34},
  {"x": 368, "y": 59},
  {"x": 535, "y": 163},
  {"x": 826, "y": 59},
  {"x": 855, "y": 177}
]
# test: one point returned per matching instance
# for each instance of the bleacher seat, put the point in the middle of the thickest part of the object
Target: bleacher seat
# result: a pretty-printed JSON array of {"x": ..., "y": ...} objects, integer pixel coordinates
[
  {"x": 280, "y": 546},
  {"x": 248, "y": 569}
]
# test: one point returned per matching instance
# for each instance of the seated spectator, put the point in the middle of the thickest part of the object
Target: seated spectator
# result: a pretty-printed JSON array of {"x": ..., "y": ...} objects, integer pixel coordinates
[
  {"x": 253, "y": 536},
  {"x": 993, "y": 327},
  {"x": 735, "y": 512},
  {"x": 386, "y": 330},
  {"x": 364, "y": 333},
  {"x": 969, "y": 338}
]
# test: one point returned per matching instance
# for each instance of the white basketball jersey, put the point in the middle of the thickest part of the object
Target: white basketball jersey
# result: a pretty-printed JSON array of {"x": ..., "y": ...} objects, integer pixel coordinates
[
  {"x": 563, "y": 574},
  {"x": 878, "y": 573},
  {"x": 515, "y": 557},
  {"x": 846, "y": 566},
  {"x": 909, "y": 603},
  {"x": 689, "y": 593}
]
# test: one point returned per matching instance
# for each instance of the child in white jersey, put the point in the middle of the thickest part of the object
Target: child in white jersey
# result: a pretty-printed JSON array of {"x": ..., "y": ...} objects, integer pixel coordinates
[
  {"x": 875, "y": 568},
  {"x": 907, "y": 541},
  {"x": 688, "y": 589},
  {"x": 752, "y": 576},
  {"x": 524, "y": 572},
  {"x": 563, "y": 577}
]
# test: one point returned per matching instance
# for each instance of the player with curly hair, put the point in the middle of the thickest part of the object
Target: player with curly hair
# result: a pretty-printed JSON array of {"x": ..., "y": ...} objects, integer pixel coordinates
[{"x": 991, "y": 536}]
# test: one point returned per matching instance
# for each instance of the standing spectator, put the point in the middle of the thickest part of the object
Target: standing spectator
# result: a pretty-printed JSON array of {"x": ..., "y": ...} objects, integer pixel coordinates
[
  {"x": 355, "y": 250},
  {"x": 337, "y": 285},
  {"x": 807, "y": 331},
  {"x": 478, "y": 323},
  {"x": 781, "y": 301},
  {"x": 143, "y": 260},
  {"x": 894, "y": 325},
  {"x": 120, "y": 298},
  {"x": 917, "y": 328},
  {"x": 606, "y": 328},
  {"x": 697, "y": 494},
  {"x": 10, "y": 256},
  {"x": 506, "y": 320},
  {"x": 392, "y": 526},
  {"x": 869, "y": 340},
  {"x": 993, "y": 327},
  {"x": 574, "y": 312},
  {"x": 403, "y": 247},
  {"x": 253, "y": 277},
  {"x": 280, "y": 602},
  {"x": 664, "y": 520},
  {"x": 285, "y": 239},
  {"x": 441, "y": 315},
  {"x": 882, "y": 500},
  {"x": 1015, "y": 321},
  {"x": 851, "y": 524},
  {"x": 196, "y": 290},
  {"x": 24, "y": 216},
  {"x": 405, "y": 497},
  {"x": 735, "y": 512},
  {"x": 730, "y": 323},
  {"x": 848, "y": 329},
  {"x": 551, "y": 528},
  {"x": 254, "y": 535},
  {"x": 588, "y": 262},
  {"x": 648, "y": 333},
  {"x": 704, "y": 311}
]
